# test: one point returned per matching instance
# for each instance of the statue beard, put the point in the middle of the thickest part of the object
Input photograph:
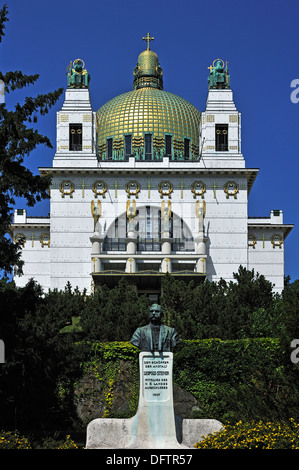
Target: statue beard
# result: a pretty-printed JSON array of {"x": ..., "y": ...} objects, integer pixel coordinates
[{"x": 155, "y": 321}]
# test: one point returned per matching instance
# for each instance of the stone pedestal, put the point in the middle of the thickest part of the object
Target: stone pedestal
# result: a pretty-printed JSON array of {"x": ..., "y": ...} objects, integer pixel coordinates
[
  {"x": 155, "y": 425},
  {"x": 155, "y": 416}
]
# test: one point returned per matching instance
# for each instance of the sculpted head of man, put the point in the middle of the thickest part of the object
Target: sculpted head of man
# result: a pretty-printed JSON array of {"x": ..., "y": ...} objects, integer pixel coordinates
[{"x": 155, "y": 314}]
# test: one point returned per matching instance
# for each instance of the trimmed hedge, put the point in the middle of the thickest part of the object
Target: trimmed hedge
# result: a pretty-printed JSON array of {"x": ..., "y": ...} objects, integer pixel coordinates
[
  {"x": 240, "y": 379},
  {"x": 233, "y": 380}
]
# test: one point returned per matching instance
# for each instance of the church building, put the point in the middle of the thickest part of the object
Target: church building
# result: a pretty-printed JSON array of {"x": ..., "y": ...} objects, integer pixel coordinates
[{"x": 148, "y": 185}]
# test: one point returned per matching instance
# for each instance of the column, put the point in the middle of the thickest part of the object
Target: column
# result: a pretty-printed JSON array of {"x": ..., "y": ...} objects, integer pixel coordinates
[
  {"x": 96, "y": 241},
  {"x": 131, "y": 242}
]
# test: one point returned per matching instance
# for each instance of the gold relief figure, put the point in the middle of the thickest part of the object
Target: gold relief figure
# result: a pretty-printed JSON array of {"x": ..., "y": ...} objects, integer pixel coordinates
[
  {"x": 131, "y": 209},
  {"x": 131, "y": 213},
  {"x": 200, "y": 211},
  {"x": 165, "y": 216},
  {"x": 96, "y": 212}
]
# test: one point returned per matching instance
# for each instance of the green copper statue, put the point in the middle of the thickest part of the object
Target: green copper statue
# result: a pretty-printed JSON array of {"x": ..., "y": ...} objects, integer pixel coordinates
[
  {"x": 219, "y": 77},
  {"x": 155, "y": 336},
  {"x": 77, "y": 75}
]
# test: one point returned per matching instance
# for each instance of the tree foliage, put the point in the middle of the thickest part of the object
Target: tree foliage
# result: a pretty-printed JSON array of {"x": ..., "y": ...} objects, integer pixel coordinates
[
  {"x": 17, "y": 141},
  {"x": 42, "y": 359},
  {"x": 113, "y": 314},
  {"x": 224, "y": 310},
  {"x": 37, "y": 355}
]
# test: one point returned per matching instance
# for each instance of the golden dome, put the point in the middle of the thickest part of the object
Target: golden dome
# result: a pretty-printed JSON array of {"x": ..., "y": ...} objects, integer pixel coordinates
[{"x": 148, "y": 122}]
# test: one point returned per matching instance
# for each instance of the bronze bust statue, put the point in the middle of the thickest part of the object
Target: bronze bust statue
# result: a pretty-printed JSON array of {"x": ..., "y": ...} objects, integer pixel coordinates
[{"x": 155, "y": 336}]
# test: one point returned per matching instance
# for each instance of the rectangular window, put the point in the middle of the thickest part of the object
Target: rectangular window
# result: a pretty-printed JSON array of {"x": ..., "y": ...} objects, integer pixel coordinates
[
  {"x": 168, "y": 145},
  {"x": 75, "y": 138},
  {"x": 148, "y": 146},
  {"x": 128, "y": 145},
  {"x": 221, "y": 137},
  {"x": 109, "y": 149},
  {"x": 187, "y": 149}
]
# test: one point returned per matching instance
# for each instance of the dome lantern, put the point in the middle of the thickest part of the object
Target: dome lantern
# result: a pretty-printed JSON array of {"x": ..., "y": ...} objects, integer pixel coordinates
[{"x": 148, "y": 72}]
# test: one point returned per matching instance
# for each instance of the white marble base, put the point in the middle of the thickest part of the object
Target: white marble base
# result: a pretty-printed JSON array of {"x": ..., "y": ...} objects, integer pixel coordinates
[{"x": 155, "y": 425}]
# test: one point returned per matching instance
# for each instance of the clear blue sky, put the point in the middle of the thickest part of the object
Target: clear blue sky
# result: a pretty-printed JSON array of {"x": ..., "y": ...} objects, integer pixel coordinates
[{"x": 259, "y": 39}]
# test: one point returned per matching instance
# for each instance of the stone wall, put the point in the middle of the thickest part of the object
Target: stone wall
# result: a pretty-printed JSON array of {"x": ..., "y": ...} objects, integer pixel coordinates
[{"x": 97, "y": 395}]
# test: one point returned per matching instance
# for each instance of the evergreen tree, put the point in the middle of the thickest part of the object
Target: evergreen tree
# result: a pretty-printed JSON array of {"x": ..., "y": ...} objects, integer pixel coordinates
[
  {"x": 177, "y": 301},
  {"x": 290, "y": 311},
  {"x": 39, "y": 358},
  {"x": 114, "y": 314},
  {"x": 17, "y": 140},
  {"x": 209, "y": 303},
  {"x": 248, "y": 293}
]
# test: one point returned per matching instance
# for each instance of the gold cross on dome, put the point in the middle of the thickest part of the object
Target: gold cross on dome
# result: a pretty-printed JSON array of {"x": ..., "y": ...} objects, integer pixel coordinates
[{"x": 148, "y": 38}]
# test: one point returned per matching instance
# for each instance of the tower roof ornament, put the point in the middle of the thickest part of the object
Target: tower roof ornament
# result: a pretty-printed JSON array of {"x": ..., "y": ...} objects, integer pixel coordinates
[
  {"x": 77, "y": 75},
  {"x": 219, "y": 76},
  {"x": 148, "y": 38}
]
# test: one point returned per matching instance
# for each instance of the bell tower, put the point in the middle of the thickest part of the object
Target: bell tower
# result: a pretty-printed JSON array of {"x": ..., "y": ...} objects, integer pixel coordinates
[
  {"x": 76, "y": 121},
  {"x": 220, "y": 136}
]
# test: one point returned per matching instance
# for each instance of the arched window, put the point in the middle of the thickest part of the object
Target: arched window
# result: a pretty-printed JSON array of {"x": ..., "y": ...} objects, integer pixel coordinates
[{"x": 147, "y": 224}]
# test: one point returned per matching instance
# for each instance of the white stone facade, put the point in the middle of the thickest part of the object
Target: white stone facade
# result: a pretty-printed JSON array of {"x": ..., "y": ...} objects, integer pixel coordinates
[
  {"x": 212, "y": 247},
  {"x": 35, "y": 232}
]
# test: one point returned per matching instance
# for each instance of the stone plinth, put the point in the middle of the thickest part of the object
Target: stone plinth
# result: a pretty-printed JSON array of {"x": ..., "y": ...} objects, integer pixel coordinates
[
  {"x": 155, "y": 425},
  {"x": 114, "y": 433},
  {"x": 155, "y": 416}
]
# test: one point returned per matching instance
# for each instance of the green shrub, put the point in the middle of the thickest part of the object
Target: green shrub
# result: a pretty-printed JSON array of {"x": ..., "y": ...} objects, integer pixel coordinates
[
  {"x": 13, "y": 440},
  {"x": 52, "y": 443}
]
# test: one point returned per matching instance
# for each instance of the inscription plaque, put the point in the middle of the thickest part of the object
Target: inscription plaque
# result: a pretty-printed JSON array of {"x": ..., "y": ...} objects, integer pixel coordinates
[{"x": 156, "y": 378}]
